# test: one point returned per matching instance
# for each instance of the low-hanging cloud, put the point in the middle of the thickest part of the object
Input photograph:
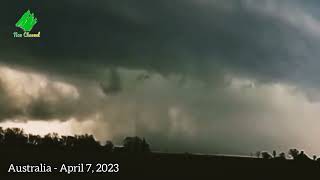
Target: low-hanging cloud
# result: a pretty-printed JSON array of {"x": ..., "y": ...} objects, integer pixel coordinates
[
  {"x": 227, "y": 75},
  {"x": 175, "y": 112},
  {"x": 33, "y": 96}
]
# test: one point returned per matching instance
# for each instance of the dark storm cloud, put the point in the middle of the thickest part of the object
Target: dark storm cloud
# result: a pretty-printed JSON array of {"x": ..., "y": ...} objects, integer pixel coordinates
[
  {"x": 160, "y": 69},
  {"x": 82, "y": 37}
]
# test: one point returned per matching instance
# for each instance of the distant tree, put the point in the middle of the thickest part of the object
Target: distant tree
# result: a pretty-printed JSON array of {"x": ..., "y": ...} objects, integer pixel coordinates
[
  {"x": 86, "y": 141},
  {"x": 293, "y": 153},
  {"x": 258, "y": 154},
  {"x": 34, "y": 139},
  {"x": 282, "y": 155},
  {"x": 266, "y": 155},
  {"x": 51, "y": 140},
  {"x": 274, "y": 153},
  {"x": 302, "y": 156},
  {"x": 314, "y": 157},
  {"x": 14, "y": 136},
  {"x": 109, "y": 146},
  {"x": 135, "y": 144},
  {"x": 68, "y": 141}
]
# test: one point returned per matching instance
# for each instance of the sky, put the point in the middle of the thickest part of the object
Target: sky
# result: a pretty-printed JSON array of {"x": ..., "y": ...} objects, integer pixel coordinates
[{"x": 204, "y": 76}]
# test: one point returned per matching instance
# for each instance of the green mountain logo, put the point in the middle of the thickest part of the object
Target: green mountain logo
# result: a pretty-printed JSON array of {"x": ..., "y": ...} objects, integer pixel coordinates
[{"x": 27, "y": 21}]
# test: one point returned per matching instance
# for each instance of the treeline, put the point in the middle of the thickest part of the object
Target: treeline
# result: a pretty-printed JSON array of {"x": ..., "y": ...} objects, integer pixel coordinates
[
  {"x": 294, "y": 154},
  {"x": 14, "y": 138}
]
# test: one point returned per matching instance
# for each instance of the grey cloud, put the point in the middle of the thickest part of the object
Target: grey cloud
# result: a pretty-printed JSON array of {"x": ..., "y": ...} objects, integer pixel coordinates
[
  {"x": 191, "y": 115},
  {"x": 32, "y": 96},
  {"x": 165, "y": 64},
  {"x": 260, "y": 39}
]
